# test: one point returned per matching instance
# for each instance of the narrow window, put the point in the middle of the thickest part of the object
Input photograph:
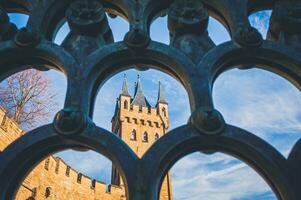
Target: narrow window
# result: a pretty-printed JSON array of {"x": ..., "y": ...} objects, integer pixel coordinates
[
  {"x": 145, "y": 137},
  {"x": 34, "y": 192},
  {"x": 156, "y": 136},
  {"x": 68, "y": 171},
  {"x": 164, "y": 112},
  {"x": 93, "y": 183},
  {"x": 140, "y": 108},
  {"x": 133, "y": 135},
  {"x": 47, "y": 192},
  {"x": 57, "y": 166},
  {"x": 79, "y": 178},
  {"x": 47, "y": 164},
  {"x": 125, "y": 104}
]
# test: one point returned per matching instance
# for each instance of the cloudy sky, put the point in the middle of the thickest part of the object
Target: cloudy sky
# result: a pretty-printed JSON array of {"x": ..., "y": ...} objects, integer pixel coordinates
[{"x": 256, "y": 100}]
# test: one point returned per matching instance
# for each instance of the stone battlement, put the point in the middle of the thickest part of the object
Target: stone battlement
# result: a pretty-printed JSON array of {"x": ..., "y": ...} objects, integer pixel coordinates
[
  {"x": 143, "y": 116},
  {"x": 53, "y": 178},
  {"x": 9, "y": 130}
]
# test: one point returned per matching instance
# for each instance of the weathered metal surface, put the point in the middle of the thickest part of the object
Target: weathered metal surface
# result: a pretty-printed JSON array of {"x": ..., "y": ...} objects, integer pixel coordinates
[{"x": 88, "y": 57}]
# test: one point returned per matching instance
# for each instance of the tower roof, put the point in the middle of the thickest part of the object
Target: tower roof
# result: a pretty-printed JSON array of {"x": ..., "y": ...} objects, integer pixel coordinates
[
  {"x": 125, "y": 88},
  {"x": 139, "y": 98},
  {"x": 161, "y": 98},
  {"x": 116, "y": 108}
]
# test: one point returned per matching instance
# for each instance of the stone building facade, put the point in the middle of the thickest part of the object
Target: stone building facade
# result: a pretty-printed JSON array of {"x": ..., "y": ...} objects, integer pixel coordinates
[
  {"x": 135, "y": 121},
  {"x": 139, "y": 124},
  {"x": 52, "y": 178}
]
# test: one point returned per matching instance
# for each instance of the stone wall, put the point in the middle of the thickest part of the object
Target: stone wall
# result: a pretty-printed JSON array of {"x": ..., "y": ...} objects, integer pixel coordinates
[
  {"x": 53, "y": 178},
  {"x": 9, "y": 130},
  {"x": 141, "y": 119}
]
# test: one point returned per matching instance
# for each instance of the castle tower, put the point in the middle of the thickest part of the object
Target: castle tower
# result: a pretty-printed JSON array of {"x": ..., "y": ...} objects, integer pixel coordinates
[{"x": 139, "y": 124}]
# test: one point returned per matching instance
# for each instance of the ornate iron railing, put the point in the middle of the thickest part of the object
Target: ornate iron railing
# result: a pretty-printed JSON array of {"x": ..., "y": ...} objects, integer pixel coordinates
[{"x": 88, "y": 57}]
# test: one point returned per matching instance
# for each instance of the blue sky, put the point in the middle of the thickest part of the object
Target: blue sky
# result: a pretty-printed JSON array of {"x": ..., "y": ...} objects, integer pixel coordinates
[{"x": 256, "y": 100}]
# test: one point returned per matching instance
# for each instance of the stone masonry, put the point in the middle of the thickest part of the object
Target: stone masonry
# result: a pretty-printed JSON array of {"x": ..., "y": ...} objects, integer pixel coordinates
[{"x": 134, "y": 121}]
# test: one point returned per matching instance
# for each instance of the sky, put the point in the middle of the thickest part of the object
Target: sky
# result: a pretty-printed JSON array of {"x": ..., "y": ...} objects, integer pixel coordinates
[{"x": 256, "y": 100}]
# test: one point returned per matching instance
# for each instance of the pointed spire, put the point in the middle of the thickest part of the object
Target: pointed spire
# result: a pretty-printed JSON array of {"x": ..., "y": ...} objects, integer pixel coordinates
[
  {"x": 116, "y": 108},
  {"x": 139, "y": 98},
  {"x": 125, "y": 88},
  {"x": 138, "y": 86},
  {"x": 161, "y": 98}
]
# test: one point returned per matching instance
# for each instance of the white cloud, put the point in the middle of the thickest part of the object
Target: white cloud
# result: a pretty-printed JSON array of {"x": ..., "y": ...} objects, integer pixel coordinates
[
  {"x": 194, "y": 179},
  {"x": 260, "y": 102},
  {"x": 89, "y": 163},
  {"x": 260, "y": 20}
]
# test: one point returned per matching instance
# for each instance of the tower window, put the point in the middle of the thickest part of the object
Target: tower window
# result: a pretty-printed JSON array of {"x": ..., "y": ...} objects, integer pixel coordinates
[
  {"x": 140, "y": 108},
  {"x": 79, "y": 178},
  {"x": 68, "y": 170},
  {"x": 57, "y": 166},
  {"x": 156, "y": 136},
  {"x": 133, "y": 135},
  {"x": 34, "y": 192},
  {"x": 125, "y": 105},
  {"x": 145, "y": 137},
  {"x": 47, "y": 164},
  {"x": 93, "y": 183},
  {"x": 47, "y": 192},
  {"x": 164, "y": 112}
]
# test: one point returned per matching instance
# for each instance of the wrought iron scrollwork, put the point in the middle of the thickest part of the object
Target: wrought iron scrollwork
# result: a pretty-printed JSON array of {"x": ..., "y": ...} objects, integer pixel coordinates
[{"x": 89, "y": 56}]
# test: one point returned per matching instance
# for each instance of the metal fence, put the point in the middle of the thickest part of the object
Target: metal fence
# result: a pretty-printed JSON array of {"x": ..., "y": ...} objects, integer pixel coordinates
[{"x": 89, "y": 56}]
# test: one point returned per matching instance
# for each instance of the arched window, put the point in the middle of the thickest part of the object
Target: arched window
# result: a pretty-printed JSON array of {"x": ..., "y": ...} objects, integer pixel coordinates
[
  {"x": 125, "y": 104},
  {"x": 164, "y": 112},
  {"x": 145, "y": 137},
  {"x": 133, "y": 135},
  {"x": 47, "y": 163},
  {"x": 157, "y": 136},
  {"x": 47, "y": 192}
]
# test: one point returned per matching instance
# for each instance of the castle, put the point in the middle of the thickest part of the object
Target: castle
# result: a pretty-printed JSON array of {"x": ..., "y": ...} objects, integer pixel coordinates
[{"x": 135, "y": 121}]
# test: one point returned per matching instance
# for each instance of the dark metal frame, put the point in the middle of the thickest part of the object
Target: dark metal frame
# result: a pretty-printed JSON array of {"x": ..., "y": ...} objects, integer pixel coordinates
[{"x": 88, "y": 57}]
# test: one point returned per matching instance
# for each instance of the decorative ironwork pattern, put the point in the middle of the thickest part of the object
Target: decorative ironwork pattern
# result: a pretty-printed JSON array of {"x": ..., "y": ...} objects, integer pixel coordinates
[{"x": 89, "y": 56}]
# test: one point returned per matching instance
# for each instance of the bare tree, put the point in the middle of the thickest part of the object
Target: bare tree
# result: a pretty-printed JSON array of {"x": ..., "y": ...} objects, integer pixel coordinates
[{"x": 27, "y": 97}]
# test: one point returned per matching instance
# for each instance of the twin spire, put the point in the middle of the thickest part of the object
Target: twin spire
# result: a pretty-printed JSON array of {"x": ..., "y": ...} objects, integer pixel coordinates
[{"x": 139, "y": 98}]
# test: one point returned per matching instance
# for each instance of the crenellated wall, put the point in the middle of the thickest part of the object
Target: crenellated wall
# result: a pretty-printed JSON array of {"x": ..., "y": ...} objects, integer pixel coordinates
[
  {"x": 53, "y": 178},
  {"x": 9, "y": 130},
  {"x": 131, "y": 122}
]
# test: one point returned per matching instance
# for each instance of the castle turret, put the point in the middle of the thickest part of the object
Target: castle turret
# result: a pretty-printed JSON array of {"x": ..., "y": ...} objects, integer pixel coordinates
[
  {"x": 139, "y": 125},
  {"x": 139, "y": 98},
  {"x": 124, "y": 100},
  {"x": 162, "y": 106},
  {"x": 125, "y": 88}
]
